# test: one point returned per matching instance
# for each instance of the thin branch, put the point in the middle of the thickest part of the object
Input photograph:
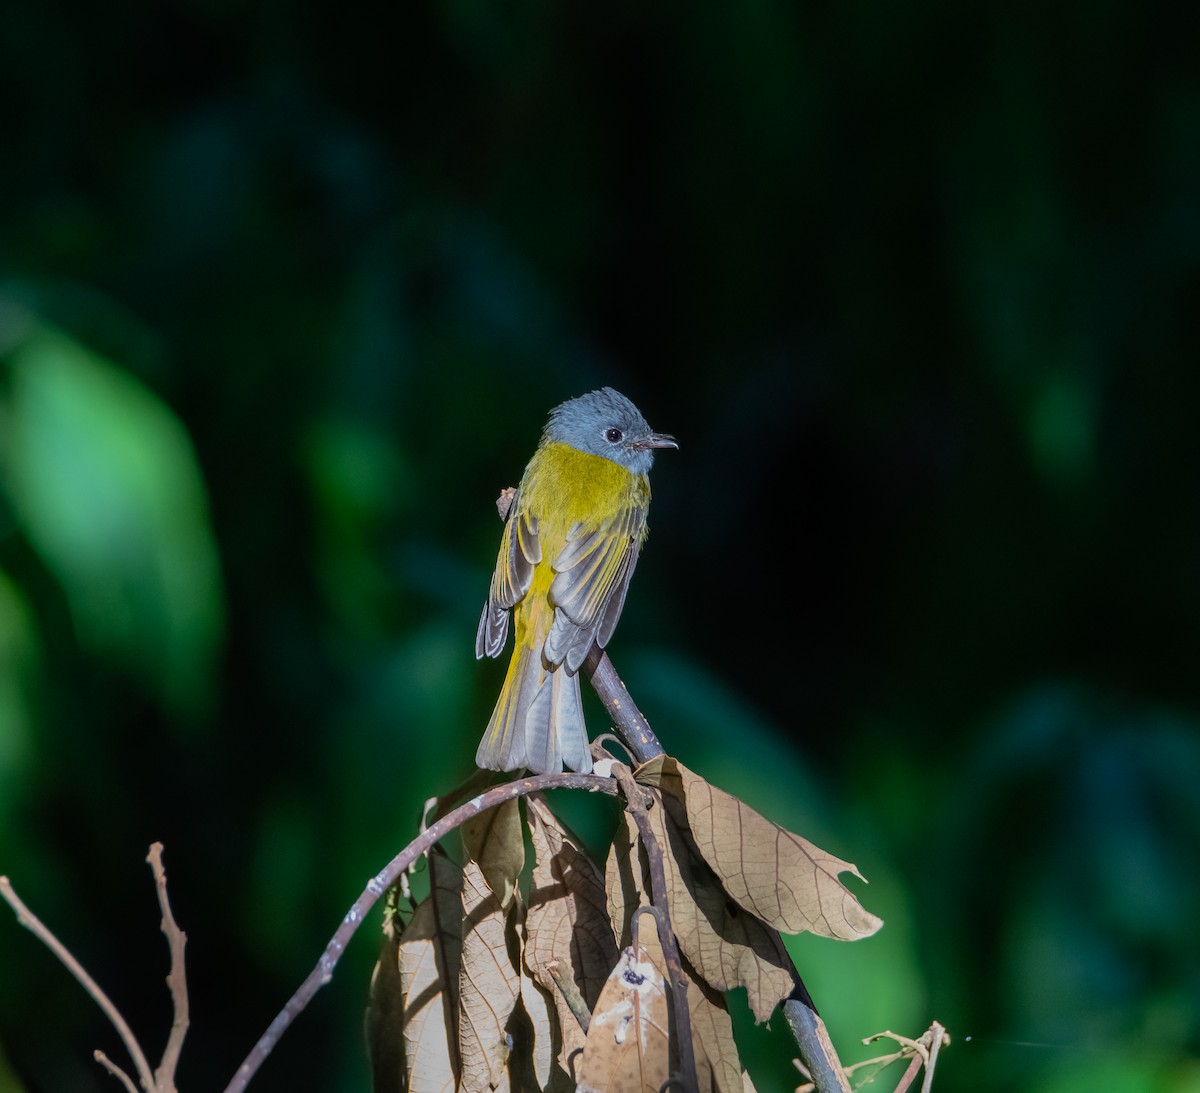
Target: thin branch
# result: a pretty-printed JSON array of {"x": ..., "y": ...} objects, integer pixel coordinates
[
  {"x": 906, "y": 1079},
  {"x": 628, "y": 719},
  {"x": 31, "y": 922},
  {"x": 570, "y": 995},
  {"x": 115, "y": 1070},
  {"x": 599, "y": 751},
  {"x": 164, "y": 1076},
  {"x": 635, "y": 805},
  {"x": 382, "y": 881},
  {"x": 908, "y": 1047},
  {"x": 921, "y": 1052},
  {"x": 812, "y": 1038},
  {"x": 879, "y": 1063},
  {"x": 938, "y": 1038}
]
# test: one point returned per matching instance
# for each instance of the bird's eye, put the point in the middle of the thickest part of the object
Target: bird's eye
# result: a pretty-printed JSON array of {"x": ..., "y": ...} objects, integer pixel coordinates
[{"x": 613, "y": 436}]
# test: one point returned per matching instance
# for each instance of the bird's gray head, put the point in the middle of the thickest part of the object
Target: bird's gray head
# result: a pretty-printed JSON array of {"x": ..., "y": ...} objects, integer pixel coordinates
[{"x": 607, "y": 424}]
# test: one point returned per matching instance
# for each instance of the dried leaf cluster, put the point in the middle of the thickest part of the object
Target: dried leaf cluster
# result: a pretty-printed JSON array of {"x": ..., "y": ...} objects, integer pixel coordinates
[{"x": 564, "y": 985}]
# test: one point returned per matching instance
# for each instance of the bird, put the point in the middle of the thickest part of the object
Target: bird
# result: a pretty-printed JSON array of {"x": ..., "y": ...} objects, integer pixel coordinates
[{"x": 570, "y": 545}]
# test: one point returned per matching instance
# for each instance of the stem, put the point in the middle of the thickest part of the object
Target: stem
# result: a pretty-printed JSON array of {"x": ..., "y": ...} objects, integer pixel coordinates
[
  {"x": 621, "y": 708},
  {"x": 176, "y": 979},
  {"x": 937, "y": 1035},
  {"x": 571, "y": 996},
  {"x": 115, "y": 1071},
  {"x": 636, "y": 807},
  {"x": 812, "y": 1038}
]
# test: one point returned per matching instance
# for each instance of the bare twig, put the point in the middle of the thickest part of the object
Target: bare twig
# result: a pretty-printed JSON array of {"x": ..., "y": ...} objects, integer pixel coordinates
[
  {"x": 913, "y": 1049},
  {"x": 115, "y": 1070},
  {"x": 906, "y": 1079},
  {"x": 938, "y": 1038},
  {"x": 635, "y": 805},
  {"x": 32, "y": 923},
  {"x": 379, "y": 884},
  {"x": 621, "y": 708},
  {"x": 812, "y": 1038},
  {"x": 599, "y": 751},
  {"x": 922, "y": 1052},
  {"x": 571, "y": 995},
  {"x": 164, "y": 1076}
]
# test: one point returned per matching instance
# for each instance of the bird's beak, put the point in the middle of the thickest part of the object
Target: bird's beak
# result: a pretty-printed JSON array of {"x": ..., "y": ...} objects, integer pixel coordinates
[{"x": 655, "y": 440}]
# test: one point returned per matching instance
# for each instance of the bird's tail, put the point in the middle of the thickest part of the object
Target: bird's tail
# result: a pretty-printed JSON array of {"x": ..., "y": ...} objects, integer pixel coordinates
[{"x": 538, "y": 719}]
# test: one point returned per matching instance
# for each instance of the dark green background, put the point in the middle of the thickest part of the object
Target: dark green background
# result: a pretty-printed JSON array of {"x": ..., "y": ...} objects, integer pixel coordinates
[{"x": 285, "y": 294}]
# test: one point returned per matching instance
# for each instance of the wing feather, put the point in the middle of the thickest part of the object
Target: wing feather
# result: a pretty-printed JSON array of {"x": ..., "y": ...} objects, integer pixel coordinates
[
  {"x": 616, "y": 602},
  {"x": 591, "y": 577},
  {"x": 520, "y": 551}
]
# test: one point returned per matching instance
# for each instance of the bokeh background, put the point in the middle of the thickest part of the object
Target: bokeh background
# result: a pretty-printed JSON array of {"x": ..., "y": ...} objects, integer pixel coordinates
[{"x": 286, "y": 291}]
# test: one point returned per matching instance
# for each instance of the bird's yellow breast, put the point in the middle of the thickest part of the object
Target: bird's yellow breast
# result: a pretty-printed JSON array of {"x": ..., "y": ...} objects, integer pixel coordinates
[{"x": 562, "y": 487}]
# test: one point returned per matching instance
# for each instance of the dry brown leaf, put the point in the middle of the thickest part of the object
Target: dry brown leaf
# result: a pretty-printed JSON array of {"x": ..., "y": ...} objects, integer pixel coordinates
[
  {"x": 717, "y": 1063},
  {"x": 504, "y": 502},
  {"x": 384, "y": 1040},
  {"x": 412, "y": 1018},
  {"x": 495, "y": 839},
  {"x": 545, "y": 1035},
  {"x": 785, "y": 880},
  {"x": 627, "y": 1048},
  {"x": 489, "y": 983},
  {"x": 384, "y": 1044},
  {"x": 726, "y": 946},
  {"x": 718, "y": 1067},
  {"x": 567, "y": 925}
]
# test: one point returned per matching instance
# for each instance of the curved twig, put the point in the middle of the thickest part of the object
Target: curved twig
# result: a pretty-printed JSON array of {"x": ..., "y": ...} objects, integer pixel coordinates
[{"x": 382, "y": 881}]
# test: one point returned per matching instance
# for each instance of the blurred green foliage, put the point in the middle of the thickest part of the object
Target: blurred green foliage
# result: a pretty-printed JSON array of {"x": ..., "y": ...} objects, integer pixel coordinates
[
  {"x": 106, "y": 489},
  {"x": 285, "y": 295}
]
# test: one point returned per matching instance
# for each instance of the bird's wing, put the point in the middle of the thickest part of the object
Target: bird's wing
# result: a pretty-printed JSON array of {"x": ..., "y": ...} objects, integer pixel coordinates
[
  {"x": 520, "y": 551},
  {"x": 591, "y": 576}
]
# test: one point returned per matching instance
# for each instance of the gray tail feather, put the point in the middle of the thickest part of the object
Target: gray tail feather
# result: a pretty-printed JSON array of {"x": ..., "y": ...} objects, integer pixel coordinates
[
  {"x": 538, "y": 721},
  {"x": 554, "y": 730}
]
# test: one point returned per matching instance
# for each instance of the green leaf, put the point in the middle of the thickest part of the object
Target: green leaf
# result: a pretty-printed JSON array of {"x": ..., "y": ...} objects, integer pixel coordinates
[{"x": 106, "y": 488}]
